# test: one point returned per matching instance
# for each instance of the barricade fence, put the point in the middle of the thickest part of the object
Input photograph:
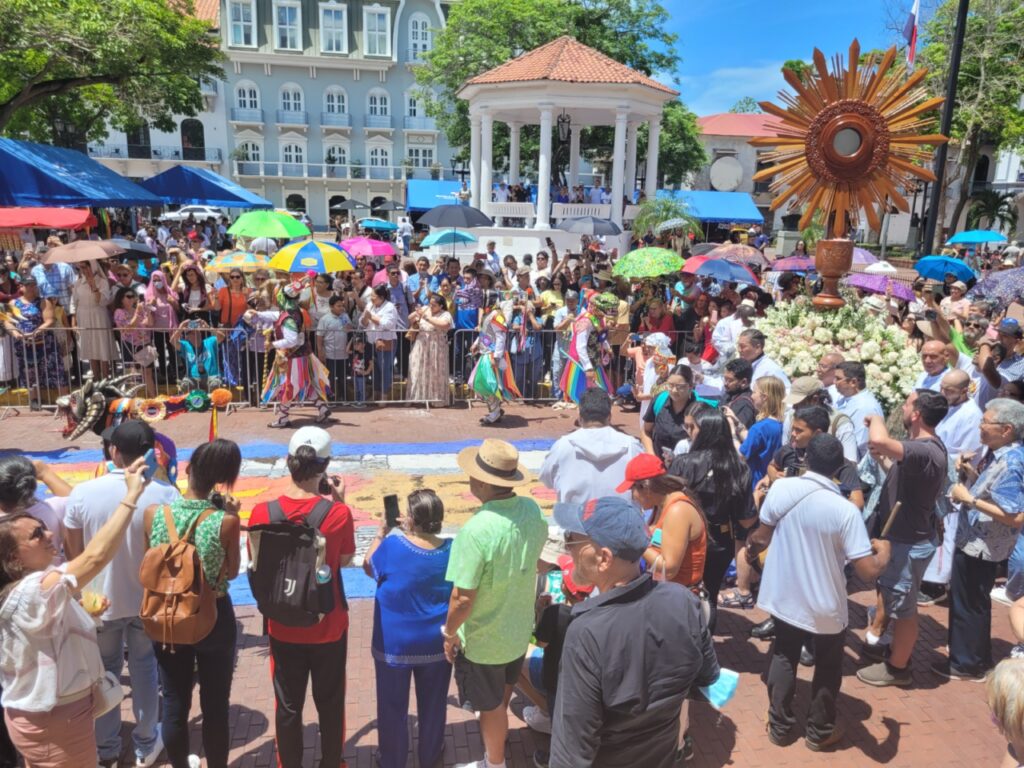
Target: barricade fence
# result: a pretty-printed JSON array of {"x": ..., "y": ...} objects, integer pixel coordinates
[{"x": 426, "y": 368}]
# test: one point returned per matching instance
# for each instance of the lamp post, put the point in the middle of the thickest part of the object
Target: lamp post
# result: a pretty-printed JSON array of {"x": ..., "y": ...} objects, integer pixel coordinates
[
  {"x": 564, "y": 125},
  {"x": 460, "y": 169}
]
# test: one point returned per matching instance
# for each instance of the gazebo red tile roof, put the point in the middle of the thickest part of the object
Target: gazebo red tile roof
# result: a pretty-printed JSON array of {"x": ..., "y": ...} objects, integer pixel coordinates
[{"x": 567, "y": 60}]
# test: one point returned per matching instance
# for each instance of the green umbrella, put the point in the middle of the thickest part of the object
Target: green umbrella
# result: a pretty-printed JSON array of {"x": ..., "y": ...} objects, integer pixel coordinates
[
  {"x": 268, "y": 224},
  {"x": 647, "y": 262}
]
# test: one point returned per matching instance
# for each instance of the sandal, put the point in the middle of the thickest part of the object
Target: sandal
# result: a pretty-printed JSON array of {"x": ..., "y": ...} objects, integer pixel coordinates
[
  {"x": 736, "y": 599},
  {"x": 323, "y": 415},
  {"x": 280, "y": 424}
]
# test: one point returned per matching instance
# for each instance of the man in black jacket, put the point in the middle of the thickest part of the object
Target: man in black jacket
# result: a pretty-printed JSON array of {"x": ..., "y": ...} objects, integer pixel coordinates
[{"x": 631, "y": 654}]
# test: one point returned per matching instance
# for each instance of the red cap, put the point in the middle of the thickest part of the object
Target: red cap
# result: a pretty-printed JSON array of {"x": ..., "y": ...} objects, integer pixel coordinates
[
  {"x": 642, "y": 467},
  {"x": 566, "y": 564}
]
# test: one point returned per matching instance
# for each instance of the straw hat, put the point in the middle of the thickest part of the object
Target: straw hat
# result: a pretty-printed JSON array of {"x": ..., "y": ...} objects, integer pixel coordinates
[{"x": 495, "y": 462}]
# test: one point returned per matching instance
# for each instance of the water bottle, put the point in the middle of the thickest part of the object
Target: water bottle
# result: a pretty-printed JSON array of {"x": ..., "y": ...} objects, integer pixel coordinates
[{"x": 324, "y": 590}]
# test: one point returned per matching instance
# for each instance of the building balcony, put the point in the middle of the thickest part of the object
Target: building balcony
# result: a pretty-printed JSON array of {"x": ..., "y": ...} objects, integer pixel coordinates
[
  {"x": 420, "y": 124},
  {"x": 247, "y": 116},
  {"x": 335, "y": 119},
  {"x": 377, "y": 121},
  {"x": 292, "y": 117},
  {"x": 327, "y": 171},
  {"x": 147, "y": 152}
]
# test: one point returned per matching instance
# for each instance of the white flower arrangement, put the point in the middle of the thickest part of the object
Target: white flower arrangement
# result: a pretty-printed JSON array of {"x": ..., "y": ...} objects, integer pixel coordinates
[{"x": 798, "y": 336}]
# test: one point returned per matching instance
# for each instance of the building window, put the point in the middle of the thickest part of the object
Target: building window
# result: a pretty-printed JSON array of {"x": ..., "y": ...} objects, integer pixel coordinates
[
  {"x": 378, "y": 104},
  {"x": 376, "y": 31},
  {"x": 333, "y": 28},
  {"x": 293, "y": 154},
  {"x": 291, "y": 98},
  {"x": 420, "y": 39},
  {"x": 380, "y": 157},
  {"x": 247, "y": 96},
  {"x": 287, "y": 26},
  {"x": 242, "y": 22},
  {"x": 421, "y": 157},
  {"x": 249, "y": 151},
  {"x": 412, "y": 106},
  {"x": 334, "y": 101},
  {"x": 336, "y": 156}
]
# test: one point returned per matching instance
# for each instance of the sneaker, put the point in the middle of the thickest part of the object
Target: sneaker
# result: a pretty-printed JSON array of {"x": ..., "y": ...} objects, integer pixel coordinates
[
  {"x": 358, "y": 405},
  {"x": 536, "y": 719},
  {"x": 806, "y": 657},
  {"x": 194, "y": 762},
  {"x": 884, "y": 674},
  {"x": 765, "y": 630},
  {"x": 154, "y": 753},
  {"x": 541, "y": 758},
  {"x": 1017, "y": 652},
  {"x": 825, "y": 744},
  {"x": 931, "y": 596},
  {"x": 110, "y": 762},
  {"x": 999, "y": 595},
  {"x": 948, "y": 671}
]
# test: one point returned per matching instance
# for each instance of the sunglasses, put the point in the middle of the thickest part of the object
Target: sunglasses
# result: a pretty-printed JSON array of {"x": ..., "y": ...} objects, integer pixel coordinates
[{"x": 236, "y": 277}]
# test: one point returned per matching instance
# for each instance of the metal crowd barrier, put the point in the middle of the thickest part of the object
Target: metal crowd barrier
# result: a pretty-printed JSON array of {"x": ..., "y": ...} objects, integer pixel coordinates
[{"x": 35, "y": 371}]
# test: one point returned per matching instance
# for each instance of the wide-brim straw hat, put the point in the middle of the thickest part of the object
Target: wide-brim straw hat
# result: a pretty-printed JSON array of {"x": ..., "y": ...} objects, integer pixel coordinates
[{"x": 494, "y": 462}]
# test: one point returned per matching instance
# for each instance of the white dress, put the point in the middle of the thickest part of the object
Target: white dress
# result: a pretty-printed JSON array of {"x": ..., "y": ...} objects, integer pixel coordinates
[{"x": 95, "y": 331}]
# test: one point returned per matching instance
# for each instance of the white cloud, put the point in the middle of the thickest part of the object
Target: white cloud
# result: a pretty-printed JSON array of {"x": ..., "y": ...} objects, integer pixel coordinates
[{"x": 717, "y": 90}]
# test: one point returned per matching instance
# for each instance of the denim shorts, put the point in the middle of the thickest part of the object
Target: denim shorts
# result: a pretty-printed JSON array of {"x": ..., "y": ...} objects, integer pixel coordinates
[{"x": 901, "y": 580}]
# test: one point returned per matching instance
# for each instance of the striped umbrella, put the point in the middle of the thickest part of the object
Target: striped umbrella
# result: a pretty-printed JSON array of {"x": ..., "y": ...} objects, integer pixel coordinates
[
  {"x": 312, "y": 255},
  {"x": 243, "y": 260}
]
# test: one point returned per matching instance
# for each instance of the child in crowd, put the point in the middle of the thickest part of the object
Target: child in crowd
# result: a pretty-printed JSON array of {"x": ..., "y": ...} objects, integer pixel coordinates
[{"x": 362, "y": 369}]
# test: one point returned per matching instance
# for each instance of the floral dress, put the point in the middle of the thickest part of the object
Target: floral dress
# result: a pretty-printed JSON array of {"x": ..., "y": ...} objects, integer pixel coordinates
[
  {"x": 428, "y": 362},
  {"x": 39, "y": 359}
]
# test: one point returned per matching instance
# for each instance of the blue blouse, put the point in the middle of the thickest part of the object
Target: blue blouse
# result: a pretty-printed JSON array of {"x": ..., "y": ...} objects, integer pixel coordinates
[
  {"x": 411, "y": 604},
  {"x": 764, "y": 438}
]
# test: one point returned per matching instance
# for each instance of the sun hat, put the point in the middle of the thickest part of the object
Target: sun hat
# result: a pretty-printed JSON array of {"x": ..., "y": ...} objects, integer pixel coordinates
[
  {"x": 495, "y": 462},
  {"x": 605, "y": 302},
  {"x": 641, "y": 467},
  {"x": 802, "y": 388},
  {"x": 318, "y": 439},
  {"x": 611, "y": 522},
  {"x": 567, "y": 566},
  {"x": 959, "y": 284},
  {"x": 874, "y": 304}
]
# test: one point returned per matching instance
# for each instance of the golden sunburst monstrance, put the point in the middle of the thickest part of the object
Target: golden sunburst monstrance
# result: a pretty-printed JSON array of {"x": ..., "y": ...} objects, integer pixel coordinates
[{"x": 850, "y": 138}]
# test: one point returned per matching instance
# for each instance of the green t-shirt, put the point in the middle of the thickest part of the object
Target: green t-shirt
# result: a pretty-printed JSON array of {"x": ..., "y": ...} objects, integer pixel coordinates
[
  {"x": 496, "y": 554},
  {"x": 958, "y": 341}
]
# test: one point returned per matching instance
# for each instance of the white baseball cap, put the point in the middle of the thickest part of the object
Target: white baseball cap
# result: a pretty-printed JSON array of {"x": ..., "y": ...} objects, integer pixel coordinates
[{"x": 316, "y": 438}]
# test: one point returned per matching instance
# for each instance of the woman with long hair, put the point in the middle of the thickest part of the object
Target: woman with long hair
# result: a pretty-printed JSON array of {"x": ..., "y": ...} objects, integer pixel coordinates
[
  {"x": 664, "y": 420},
  {"x": 163, "y": 306},
  {"x": 212, "y": 514},
  {"x": 90, "y": 295},
  {"x": 720, "y": 479},
  {"x": 133, "y": 319},
  {"x": 195, "y": 297},
  {"x": 428, "y": 361}
]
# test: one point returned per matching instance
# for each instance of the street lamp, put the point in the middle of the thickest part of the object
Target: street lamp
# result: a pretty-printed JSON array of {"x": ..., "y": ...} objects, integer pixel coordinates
[
  {"x": 459, "y": 169},
  {"x": 564, "y": 127}
]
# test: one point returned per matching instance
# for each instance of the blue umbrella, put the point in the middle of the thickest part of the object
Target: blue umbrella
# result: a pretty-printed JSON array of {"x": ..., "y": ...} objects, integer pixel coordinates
[
  {"x": 448, "y": 237},
  {"x": 936, "y": 268},
  {"x": 1005, "y": 286},
  {"x": 975, "y": 236},
  {"x": 379, "y": 225},
  {"x": 724, "y": 271}
]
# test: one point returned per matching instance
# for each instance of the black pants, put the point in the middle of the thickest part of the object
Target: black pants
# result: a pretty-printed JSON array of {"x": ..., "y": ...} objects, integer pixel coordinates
[
  {"x": 212, "y": 661},
  {"x": 970, "y": 613},
  {"x": 720, "y": 552},
  {"x": 828, "y": 675},
  {"x": 166, "y": 359},
  {"x": 338, "y": 372},
  {"x": 292, "y": 665}
]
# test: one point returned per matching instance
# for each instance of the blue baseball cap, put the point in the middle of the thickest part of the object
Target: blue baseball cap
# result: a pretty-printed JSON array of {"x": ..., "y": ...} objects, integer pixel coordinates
[
  {"x": 1009, "y": 326},
  {"x": 611, "y": 522}
]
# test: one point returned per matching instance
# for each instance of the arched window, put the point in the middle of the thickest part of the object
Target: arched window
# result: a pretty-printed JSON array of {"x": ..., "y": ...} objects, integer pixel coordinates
[
  {"x": 247, "y": 95},
  {"x": 248, "y": 155},
  {"x": 193, "y": 140},
  {"x": 420, "y": 37},
  {"x": 380, "y": 157},
  {"x": 379, "y": 104},
  {"x": 295, "y": 202},
  {"x": 335, "y": 101},
  {"x": 291, "y": 98},
  {"x": 138, "y": 141},
  {"x": 412, "y": 105},
  {"x": 336, "y": 155},
  {"x": 293, "y": 153}
]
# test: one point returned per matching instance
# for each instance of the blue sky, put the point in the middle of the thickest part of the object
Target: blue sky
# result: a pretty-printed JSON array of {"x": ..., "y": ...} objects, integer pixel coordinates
[{"x": 735, "y": 48}]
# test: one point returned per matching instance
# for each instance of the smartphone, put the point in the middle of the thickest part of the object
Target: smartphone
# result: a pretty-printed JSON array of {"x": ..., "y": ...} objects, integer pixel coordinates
[
  {"x": 391, "y": 510},
  {"x": 324, "y": 488},
  {"x": 930, "y": 314},
  {"x": 151, "y": 465}
]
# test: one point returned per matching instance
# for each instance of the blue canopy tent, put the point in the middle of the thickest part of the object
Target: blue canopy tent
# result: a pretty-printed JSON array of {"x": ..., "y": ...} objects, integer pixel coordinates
[
  {"x": 200, "y": 186},
  {"x": 717, "y": 207},
  {"x": 424, "y": 194},
  {"x": 36, "y": 175}
]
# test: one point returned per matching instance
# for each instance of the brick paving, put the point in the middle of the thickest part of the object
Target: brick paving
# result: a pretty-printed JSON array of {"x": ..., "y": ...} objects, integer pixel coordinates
[{"x": 937, "y": 723}]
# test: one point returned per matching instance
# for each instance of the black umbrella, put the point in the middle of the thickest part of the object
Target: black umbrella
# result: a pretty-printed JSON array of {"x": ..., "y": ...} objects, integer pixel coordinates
[
  {"x": 458, "y": 216},
  {"x": 349, "y": 205},
  {"x": 389, "y": 205},
  {"x": 134, "y": 250},
  {"x": 701, "y": 248},
  {"x": 589, "y": 225}
]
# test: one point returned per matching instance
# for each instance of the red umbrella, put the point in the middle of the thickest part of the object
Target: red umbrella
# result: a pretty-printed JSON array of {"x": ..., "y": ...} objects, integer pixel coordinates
[{"x": 740, "y": 254}]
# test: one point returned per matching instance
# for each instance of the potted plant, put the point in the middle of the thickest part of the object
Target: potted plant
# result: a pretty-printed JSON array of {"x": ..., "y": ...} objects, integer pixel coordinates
[
  {"x": 357, "y": 169},
  {"x": 407, "y": 167},
  {"x": 435, "y": 170}
]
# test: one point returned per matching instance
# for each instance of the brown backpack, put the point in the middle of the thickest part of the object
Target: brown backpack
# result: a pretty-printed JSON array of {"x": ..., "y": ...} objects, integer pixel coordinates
[{"x": 178, "y": 604}]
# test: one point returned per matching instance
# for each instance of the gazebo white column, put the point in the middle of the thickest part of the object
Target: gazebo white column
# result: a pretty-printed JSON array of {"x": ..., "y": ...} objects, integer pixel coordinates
[
  {"x": 474, "y": 160},
  {"x": 544, "y": 170},
  {"x": 618, "y": 164},
  {"x": 513, "y": 153},
  {"x": 629, "y": 183},
  {"x": 574, "y": 157},
  {"x": 653, "y": 135},
  {"x": 486, "y": 160}
]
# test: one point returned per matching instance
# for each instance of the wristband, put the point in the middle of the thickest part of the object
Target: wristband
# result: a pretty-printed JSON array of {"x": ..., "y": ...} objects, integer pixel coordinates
[{"x": 446, "y": 636}]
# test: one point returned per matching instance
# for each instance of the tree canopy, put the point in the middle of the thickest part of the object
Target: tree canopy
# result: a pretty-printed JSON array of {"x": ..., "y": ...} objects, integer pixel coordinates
[
  {"x": 746, "y": 105},
  {"x": 68, "y": 67}
]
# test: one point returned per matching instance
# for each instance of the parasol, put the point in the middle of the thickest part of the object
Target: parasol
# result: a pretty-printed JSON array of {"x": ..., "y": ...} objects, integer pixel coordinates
[
  {"x": 312, "y": 255},
  {"x": 646, "y": 263},
  {"x": 268, "y": 224}
]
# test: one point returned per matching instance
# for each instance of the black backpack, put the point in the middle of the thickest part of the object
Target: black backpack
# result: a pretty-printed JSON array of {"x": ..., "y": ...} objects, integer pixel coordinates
[{"x": 283, "y": 567}]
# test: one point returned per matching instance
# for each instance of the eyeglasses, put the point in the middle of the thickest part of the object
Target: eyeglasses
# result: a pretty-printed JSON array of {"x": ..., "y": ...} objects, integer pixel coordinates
[
  {"x": 38, "y": 533},
  {"x": 236, "y": 277},
  {"x": 571, "y": 542}
]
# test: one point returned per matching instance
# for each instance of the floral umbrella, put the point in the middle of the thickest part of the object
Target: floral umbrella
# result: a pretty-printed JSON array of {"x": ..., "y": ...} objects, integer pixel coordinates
[
  {"x": 647, "y": 262},
  {"x": 739, "y": 253},
  {"x": 1006, "y": 286}
]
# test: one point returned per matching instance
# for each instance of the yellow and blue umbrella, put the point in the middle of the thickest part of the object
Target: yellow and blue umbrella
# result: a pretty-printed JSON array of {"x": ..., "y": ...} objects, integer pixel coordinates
[
  {"x": 312, "y": 255},
  {"x": 243, "y": 260}
]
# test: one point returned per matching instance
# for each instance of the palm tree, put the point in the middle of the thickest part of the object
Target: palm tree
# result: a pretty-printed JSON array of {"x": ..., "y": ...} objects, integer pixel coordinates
[
  {"x": 996, "y": 209},
  {"x": 655, "y": 211}
]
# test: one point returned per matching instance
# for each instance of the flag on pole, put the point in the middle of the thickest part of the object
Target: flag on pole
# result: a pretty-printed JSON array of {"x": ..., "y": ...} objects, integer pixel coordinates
[{"x": 910, "y": 32}]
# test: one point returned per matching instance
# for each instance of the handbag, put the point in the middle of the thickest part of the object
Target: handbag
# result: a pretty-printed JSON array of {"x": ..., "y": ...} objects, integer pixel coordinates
[
  {"x": 146, "y": 356},
  {"x": 107, "y": 693}
]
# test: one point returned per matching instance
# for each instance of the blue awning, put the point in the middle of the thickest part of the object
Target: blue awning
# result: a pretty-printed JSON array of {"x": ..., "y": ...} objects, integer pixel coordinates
[
  {"x": 424, "y": 194},
  {"x": 717, "y": 207},
  {"x": 39, "y": 175},
  {"x": 200, "y": 186}
]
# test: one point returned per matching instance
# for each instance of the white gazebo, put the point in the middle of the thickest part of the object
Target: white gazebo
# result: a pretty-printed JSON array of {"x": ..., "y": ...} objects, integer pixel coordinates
[{"x": 561, "y": 81}]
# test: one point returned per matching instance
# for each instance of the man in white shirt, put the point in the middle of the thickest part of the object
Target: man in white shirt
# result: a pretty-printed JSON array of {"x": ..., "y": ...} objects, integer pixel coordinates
[
  {"x": 492, "y": 257},
  {"x": 501, "y": 193},
  {"x": 933, "y": 359},
  {"x": 750, "y": 346},
  {"x": 596, "y": 193},
  {"x": 728, "y": 330},
  {"x": 813, "y": 532},
  {"x": 827, "y": 373},
  {"x": 855, "y": 401},
  {"x": 405, "y": 235},
  {"x": 89, "y": 506}
]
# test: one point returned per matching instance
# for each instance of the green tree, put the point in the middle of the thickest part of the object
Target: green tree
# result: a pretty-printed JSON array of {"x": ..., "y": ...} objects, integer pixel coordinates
[
  {"x": 67, "y": 66},
  {"x": 745, "y": 105},
  {"x": 799, "y": 66},
  {"x": 652, "y": 213},
  {"x": 987, "y": 110},
  {"x": 990, "y": 208}
]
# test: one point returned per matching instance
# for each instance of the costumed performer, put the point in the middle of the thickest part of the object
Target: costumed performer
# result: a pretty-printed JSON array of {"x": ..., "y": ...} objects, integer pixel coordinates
[
  {"x": 491, "y": 377},
  {"x": 589, "y": 351}
]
